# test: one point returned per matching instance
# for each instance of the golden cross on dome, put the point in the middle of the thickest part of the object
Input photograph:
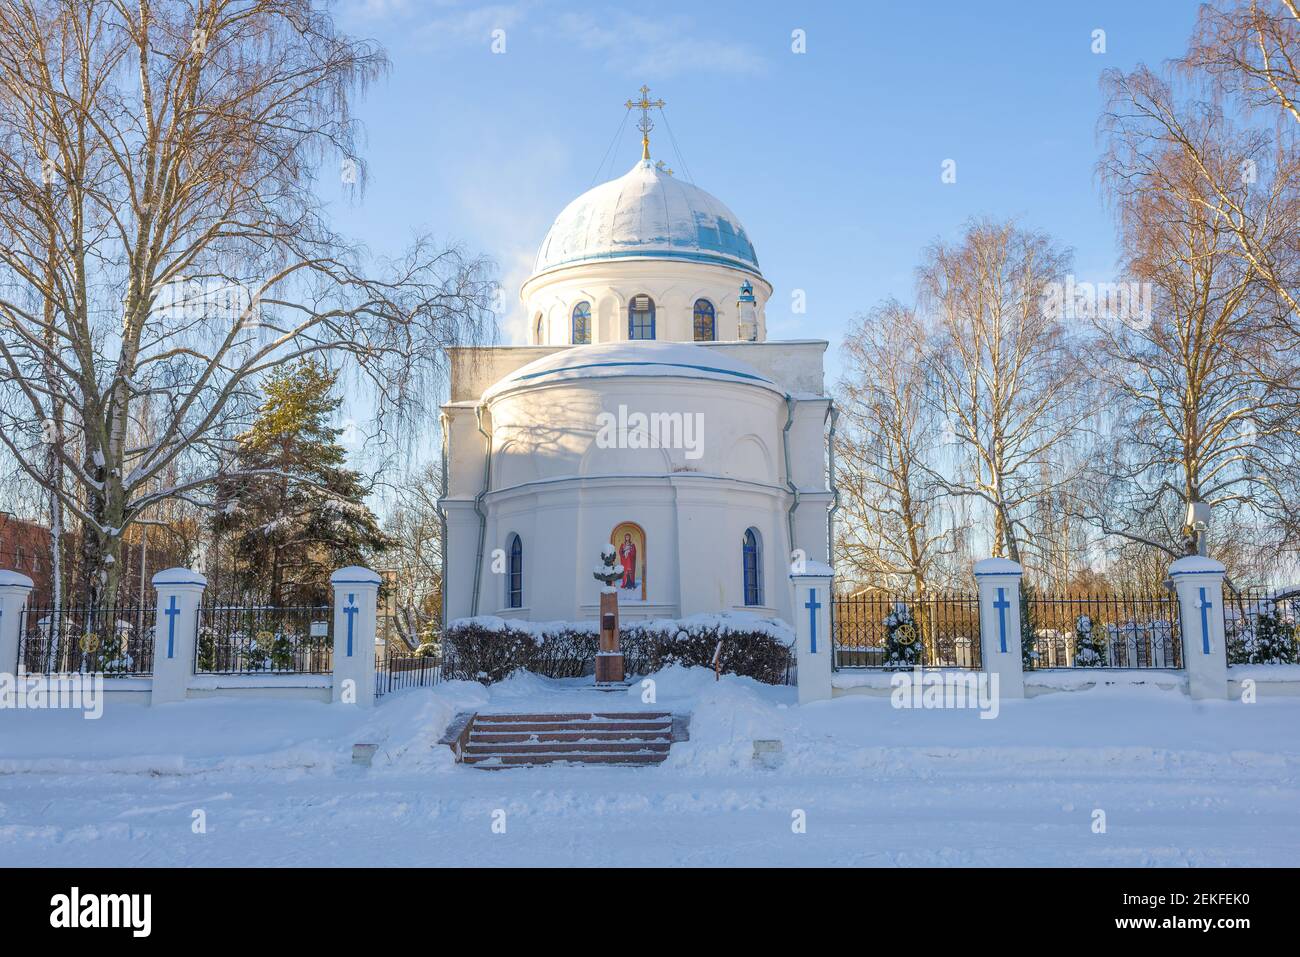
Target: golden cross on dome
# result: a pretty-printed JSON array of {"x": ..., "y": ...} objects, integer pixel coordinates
[{"x": 645, "y": 105}]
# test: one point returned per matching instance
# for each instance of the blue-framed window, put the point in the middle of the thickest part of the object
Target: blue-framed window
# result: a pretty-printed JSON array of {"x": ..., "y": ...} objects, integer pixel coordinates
[
  {"x": 582, "y": 324},
  {"x": 704, "y": 324},
  {"x": 641, "y": 317},
  {"x": 753, "y": 568},
  {"x": 515, "y": 574}
]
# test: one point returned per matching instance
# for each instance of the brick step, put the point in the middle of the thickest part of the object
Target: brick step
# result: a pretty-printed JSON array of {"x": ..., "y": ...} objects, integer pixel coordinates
[
  {"x": 559, "y": 747},
  {"x": 528, "y": 739},
  {"x": 589, "y": 757},
  {"x": 477, "y": 736},
  {"x": 662, "y": 727},
  {"x": 575, "y": 716}
]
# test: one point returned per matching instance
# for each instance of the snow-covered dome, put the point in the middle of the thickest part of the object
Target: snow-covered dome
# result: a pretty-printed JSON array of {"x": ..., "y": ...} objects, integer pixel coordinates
[
  {"x": 647, "y": 214},
  {"x": 633, "y": 358}
]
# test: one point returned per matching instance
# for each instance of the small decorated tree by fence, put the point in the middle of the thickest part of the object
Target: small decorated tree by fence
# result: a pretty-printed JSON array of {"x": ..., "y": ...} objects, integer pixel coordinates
[
  {"x": 1089, "y": 646},
  {"x": 902, "y": 638}
]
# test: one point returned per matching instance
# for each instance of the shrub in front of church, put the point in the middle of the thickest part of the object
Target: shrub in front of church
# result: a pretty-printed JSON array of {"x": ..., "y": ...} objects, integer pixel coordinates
[
  {"x": 490, "y": 649},
  {"x": 757, "y": 654}
]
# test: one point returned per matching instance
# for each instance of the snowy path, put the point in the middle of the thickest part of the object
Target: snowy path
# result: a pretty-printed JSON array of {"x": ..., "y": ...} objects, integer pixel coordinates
[{"x": 1181, "y": 784}]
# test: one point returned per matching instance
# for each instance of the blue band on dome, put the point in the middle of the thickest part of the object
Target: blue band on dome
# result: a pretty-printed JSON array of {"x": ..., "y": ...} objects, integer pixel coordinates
[
  {"x": 675, "y": 365},
  {"x": 719, "y": 260}
]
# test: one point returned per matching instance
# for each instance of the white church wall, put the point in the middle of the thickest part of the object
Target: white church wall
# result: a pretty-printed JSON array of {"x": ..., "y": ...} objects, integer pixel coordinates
[
  {"x": 552, "y": 431},
  {"x": 795, "y": 365},
  {"x": 474, "y": 368},
  {"x": 466, "y": 448},
  {"x": 461, "y": 547},
  {"x": 608, "y": 286},
  {"x": 694, "y": 528}
]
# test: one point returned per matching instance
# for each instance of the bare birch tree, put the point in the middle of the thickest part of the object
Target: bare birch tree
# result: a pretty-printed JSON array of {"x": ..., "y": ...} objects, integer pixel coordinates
[
  {"x": 1204, "y": 397},
  {"x": 415, "y": 559},
  {"x": 889, "y": 529},
  {"x": 1247, "y": 52},
  {"x": 162, "y": 239},
  {"x": 1008, "y": 373}
]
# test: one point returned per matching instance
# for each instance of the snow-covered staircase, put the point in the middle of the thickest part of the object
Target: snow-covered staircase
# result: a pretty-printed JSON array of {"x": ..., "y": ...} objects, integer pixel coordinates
[{"x": 494, "y": 741}]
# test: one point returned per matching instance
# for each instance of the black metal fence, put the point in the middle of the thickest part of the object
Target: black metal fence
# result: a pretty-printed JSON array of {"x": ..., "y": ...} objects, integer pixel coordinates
[
  {"x": 114, "y": 641},
  {"x": 1103, "y": 631},
  {"x": 395, "y": 672},
  {"x": 1262, "y": 626},
  {"x": 946, "y": 626},
  {"x": 296, "y": 639}
]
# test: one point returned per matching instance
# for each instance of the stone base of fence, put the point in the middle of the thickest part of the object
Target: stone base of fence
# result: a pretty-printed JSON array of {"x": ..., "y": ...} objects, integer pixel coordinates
[
  {"x": 1000, "y": 652},
  {"x": 814, "y": 647}
]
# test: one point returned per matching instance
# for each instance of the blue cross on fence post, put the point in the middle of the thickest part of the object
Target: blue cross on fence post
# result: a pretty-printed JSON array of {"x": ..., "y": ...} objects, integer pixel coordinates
[
  {"x": 1205, "y": 607},
  {"x": 812, "y": 605},
  {"x": 1002, "y": 605},
  {"x": 171, "y": 611},
  {"x": 351, "y": 611}
]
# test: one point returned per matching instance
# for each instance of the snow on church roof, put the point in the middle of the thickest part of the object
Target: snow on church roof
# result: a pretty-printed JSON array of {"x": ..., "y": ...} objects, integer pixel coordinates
[
  {"x": 636, "y": 358},
  {"x": 647, "y": 214}
]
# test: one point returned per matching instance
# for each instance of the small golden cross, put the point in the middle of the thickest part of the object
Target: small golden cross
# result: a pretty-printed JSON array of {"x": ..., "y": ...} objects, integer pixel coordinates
[{"x": 645, "y": 105}]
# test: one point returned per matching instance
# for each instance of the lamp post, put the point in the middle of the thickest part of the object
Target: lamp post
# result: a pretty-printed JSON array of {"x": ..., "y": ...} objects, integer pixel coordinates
[{"x": 1198, "y": 520}]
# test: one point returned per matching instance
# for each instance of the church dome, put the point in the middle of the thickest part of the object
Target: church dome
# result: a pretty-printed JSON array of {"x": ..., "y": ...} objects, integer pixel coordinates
[
  {"x": 647, "y": 214},
  {"x": 618, "y": 360}
]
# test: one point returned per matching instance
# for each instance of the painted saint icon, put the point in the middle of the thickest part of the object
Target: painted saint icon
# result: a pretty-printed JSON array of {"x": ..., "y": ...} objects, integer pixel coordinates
[{"x": 629, "y": 541}]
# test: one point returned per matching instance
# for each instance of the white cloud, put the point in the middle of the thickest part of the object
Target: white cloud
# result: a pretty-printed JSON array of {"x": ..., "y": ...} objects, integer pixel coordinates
[
  {"x": 460, "y": 24},
  {"x": 662, "y": 46},
  {"x": 628, "y": 43}
]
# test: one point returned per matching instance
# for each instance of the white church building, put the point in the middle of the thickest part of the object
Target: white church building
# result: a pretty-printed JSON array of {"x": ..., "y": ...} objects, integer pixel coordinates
[{"x": 649, "y": 410}]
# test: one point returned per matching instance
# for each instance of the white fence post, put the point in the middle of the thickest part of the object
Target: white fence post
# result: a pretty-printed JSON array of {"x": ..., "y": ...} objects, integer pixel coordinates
[
  {"x": 814, "y": 648},
  {"x": 1199, "y": 584},
  {"x": 176, "y": 628},
  {"x": 14, "y": 589},
  {"x": 999, "y": 590},
  {"x": 356, "y": 593}
]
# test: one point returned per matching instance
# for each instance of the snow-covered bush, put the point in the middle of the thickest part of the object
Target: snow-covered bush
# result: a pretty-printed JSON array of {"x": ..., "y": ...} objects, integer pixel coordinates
[
  {"x": 489, "y": 649},
  {"x": 1090, "y": 647},
  {"x": 1268, "y": 638}
]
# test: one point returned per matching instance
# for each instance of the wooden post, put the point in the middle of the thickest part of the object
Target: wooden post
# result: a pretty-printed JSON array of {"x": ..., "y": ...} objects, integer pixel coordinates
[{"x": 609, "y": 659}]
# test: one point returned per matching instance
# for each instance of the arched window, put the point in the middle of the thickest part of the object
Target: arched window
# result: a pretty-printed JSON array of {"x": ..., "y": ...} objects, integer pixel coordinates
[
  {"x": 704, "y": 327},
  {"x": 515, "y": 574},
  {"x": 582, "y": 324},
  {"x": 753, "y": 569},
  {"x": 537, "y": 331},
  {"x": 641, "y": 318}
]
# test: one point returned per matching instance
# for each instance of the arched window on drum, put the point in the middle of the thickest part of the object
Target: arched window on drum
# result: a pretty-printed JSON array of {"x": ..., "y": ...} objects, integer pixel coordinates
[
  {"x": 582, "y": 324},
  {"x": 705, "y": 327},
  {"x": 641, "y": 317}
]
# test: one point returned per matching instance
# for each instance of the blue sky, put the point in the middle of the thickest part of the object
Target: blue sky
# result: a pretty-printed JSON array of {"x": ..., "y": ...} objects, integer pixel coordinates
[{"x": 831, "y": 158}]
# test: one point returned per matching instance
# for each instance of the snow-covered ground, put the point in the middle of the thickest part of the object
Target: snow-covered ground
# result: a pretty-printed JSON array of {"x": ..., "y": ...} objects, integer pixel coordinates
[{"x": 1180, "y": 782}]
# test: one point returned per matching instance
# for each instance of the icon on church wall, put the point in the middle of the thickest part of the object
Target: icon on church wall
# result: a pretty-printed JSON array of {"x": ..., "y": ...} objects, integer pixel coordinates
[{"x": 629, "y": 540}]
